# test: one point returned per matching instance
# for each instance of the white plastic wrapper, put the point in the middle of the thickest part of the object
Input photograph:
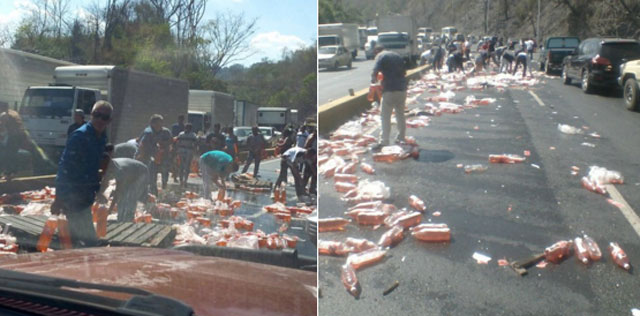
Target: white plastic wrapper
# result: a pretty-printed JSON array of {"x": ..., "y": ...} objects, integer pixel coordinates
[
  {"x": 35, "y": 208},
  {"x": 373, "y": 189},
  {"x": 568, "y": 129},
  {"x": 186, "y": 234},
  {"x": 351, "y": 130},
  {"x": 244, "y": 241},
  {"x": 602, "y": 176}
]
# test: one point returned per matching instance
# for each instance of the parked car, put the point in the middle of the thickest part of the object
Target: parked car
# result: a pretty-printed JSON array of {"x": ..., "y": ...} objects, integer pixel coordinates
[
  {"x": 555, "y": 50},
  {"x": 333, "y": 57},
  {"x": 242, "y": 132},
  {"x": 270, "y": 135},
  {"x": 596, "y": 62},
  {"x": 629, "y": 81}
]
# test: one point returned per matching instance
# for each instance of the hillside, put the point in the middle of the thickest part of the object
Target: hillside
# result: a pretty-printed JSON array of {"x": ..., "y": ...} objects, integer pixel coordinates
[{"x": 505, "y": 18}]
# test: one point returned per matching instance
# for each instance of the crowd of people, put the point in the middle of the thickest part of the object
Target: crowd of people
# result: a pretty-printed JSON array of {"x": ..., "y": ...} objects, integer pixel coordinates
[
  {"x": 88, "y": 163},
  {"x": 455, "y": 54}
]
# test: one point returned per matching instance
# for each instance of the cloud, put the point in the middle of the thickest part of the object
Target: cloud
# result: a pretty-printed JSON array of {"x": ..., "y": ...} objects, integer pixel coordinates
[
  {"x": 271, "y": 44},
  {"x": 21, "y": 8}
]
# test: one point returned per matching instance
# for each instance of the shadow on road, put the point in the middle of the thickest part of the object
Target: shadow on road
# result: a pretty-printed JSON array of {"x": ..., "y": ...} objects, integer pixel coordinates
[
  {"x": 435, "y": 155},
  {"x": 336, "y": 70}
]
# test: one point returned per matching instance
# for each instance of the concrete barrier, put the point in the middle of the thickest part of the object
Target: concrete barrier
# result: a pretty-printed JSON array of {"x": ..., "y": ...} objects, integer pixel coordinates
[{"x": 335, "y": 113}]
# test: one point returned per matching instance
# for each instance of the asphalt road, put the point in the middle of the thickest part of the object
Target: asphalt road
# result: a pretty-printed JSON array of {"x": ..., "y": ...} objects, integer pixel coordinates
[
  {"x": 334, "y": 84},
  {"x": 252, "y": 206},
  {"x": 509, "y": 211}
]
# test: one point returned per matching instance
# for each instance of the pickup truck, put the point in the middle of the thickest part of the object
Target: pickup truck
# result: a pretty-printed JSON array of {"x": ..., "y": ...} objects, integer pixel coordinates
[
  {"x": 629, "y": 81},
  {"x": 554, "y": 51}
]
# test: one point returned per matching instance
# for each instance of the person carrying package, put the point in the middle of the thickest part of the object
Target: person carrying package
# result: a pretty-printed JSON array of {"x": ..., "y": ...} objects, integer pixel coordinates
[
  {"x": 215, "y": 166},
  {"x": 155, "y": 143},
  {"x": 132, "y": 185},
  {"x": 394, "y": 93},
  {"x": 255, "y": 145},
  {"x": 290, "y": 159},
  {"x": 78, "y": 178}
]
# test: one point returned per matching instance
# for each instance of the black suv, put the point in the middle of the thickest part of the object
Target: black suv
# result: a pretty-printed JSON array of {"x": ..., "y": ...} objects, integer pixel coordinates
[{"x": 596, "y": 62}]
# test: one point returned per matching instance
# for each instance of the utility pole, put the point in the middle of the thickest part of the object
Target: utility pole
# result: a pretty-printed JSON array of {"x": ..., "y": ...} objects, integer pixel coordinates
[
  {"x": 538, "y": 25},
  {"x": 486, "y": 16}
]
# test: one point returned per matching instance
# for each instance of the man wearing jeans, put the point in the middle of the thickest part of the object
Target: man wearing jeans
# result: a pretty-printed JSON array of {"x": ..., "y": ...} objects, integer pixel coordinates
[
  {"x": 255, "y": 145},
  {"x": 394, "y": 92},
  {"x": 215, "y": 166},
  {"x": 78, "y": 180}
]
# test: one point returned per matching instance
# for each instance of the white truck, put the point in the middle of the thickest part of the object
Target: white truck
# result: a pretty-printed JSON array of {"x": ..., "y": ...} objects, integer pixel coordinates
[
  {"x": 218, "y": 106},
  {"x": 277, "y": 117},
  {"x": 399, "y": 33},
  {"x": 341, "y": 34},
  {"x": 246, "y": 113},
  {"x": 135, "y": 96}
]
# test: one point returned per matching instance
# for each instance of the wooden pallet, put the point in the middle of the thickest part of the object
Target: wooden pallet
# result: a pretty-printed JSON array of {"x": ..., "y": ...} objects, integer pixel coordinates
[{"x": 27, "y": 230}]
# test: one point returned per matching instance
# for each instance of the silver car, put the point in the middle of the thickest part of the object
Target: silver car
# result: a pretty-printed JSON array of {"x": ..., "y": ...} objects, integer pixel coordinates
[{"x": 333, "y": 57}]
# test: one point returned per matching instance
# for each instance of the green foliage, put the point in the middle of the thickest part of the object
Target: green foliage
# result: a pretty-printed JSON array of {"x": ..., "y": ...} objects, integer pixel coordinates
[{"x": 333, "y": 11}]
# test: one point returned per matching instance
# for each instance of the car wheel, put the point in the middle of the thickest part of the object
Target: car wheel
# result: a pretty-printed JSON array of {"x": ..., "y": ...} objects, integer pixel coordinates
[
  {"x": 349, "y": 65},
  {"x": 565, "y": 76},
  {"x": 336, "y": 65},
  {"x": 631, "y": 97},
  {"x": 586, "y": 83}
]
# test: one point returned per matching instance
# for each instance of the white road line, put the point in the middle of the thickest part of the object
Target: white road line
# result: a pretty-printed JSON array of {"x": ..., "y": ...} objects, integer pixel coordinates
[
  {"x": 626, "y": 210},
  {"x": 535, "y": 96}
]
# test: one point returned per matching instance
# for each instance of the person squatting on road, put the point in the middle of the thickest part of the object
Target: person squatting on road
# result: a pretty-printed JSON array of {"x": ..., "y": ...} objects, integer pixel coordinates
[
  {"x": 394, "y": 92},
  {"x": 290, "y": 159},
  {"x": 186, "y": 144},
  {"x": 155, "y": 143},
  {"x": 255, "y": 145},
  {"x": 215, "y": 166},
  {"x": 132, "y": 185},
  {"x": 78, "y": 178}
]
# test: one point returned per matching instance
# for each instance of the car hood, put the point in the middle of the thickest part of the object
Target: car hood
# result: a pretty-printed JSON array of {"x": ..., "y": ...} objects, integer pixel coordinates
[
  {"x": 326, "y": 56},
  {"x": 210, "y": 285}
]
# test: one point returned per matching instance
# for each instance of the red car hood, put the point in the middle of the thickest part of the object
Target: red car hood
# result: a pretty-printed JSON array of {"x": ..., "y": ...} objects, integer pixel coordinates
[{"x": 210, "y": 285}]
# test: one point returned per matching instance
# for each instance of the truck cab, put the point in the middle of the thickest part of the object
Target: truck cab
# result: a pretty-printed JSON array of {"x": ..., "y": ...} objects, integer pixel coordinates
[
  {"x": 397, "y": 42},
  {"x": 47, "y": 111}
]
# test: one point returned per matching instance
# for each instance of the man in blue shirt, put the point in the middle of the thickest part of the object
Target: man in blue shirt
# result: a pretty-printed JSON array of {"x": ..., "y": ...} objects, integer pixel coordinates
[
  {"x": 394, "y": 92},
  {"x": 78, "y": 179},
  {"x": 215, "y": 166}
]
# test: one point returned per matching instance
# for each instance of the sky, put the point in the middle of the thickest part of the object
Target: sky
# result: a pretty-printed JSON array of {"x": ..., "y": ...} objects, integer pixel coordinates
[{"x": 281, "y": 23}]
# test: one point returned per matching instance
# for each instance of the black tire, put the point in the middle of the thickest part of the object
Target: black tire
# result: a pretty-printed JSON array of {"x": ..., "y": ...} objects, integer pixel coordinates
[
  {"x": 565, "y": 76},
  {"x": 631, "y": 95},
  {"x": 585, "y": 83},
  {"x": 349, "y": 64}
]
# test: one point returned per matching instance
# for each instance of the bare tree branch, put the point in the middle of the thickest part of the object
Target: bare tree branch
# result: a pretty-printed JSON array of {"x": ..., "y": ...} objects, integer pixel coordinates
[{"x": 227, "y": 40}]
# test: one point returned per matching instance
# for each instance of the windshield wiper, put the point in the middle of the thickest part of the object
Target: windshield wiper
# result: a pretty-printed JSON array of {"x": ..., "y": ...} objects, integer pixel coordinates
[{"x": 52, "y": 289}]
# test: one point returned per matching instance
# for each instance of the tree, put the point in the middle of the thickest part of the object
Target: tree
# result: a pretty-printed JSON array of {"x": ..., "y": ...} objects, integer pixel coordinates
[{"x": 226, "y": 40}]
